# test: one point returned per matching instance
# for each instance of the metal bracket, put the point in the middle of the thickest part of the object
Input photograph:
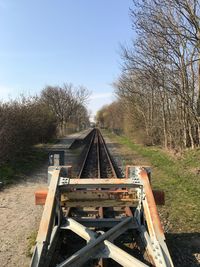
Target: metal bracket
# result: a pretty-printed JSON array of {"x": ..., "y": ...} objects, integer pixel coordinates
[
  {"x": 64, "y": 181},
  {"x": 56, "y": 158},
  {"x": 134, "y": 174}
]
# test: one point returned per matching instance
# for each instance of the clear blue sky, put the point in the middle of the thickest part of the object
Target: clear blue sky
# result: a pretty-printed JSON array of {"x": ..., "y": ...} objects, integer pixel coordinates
[{"x": 49, "y": 42}]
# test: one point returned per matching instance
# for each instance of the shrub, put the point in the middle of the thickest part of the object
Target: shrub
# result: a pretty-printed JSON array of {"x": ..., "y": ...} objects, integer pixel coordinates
[{"x": 23, "y": 123}]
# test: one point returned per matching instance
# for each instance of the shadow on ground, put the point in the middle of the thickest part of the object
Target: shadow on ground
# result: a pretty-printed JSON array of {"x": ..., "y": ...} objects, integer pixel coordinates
[{"x": 184, "y": 249}]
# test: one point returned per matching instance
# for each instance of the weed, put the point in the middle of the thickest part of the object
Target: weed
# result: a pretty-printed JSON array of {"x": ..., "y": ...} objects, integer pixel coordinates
[{"x": 31, "y": 243}]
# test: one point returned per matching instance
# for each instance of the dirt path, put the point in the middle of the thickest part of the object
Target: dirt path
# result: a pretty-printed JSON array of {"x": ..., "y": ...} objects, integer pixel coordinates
[{"x": 19, "y": 217}]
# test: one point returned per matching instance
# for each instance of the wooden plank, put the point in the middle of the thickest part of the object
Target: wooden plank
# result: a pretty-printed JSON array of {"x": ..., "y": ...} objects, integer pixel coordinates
[{"x": 41, "y": 195}]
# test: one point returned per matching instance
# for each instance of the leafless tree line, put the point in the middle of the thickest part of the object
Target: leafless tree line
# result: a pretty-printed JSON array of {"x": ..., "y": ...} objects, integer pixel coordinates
[
  {"x": 160, "y": 82},
  {"x": 68, "y": 104}
]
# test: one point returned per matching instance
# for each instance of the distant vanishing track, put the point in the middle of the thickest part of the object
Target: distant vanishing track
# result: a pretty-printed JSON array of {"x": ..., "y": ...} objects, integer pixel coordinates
[{"x": 97, "y": 162}]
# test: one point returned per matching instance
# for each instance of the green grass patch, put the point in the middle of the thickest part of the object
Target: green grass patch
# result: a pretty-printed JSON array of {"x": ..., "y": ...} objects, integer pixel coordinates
[
  {"x": 12, "y": 171},
  {"x": 179, "y": 178},
  {"x": 31, "y": 243},
  {"x": 51, "y": 142}
]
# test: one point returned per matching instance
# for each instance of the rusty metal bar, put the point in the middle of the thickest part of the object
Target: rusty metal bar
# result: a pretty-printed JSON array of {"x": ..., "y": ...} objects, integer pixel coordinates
[
  {"x": 103, "y": 182},
  {"x": 100, "y": 195},
  {"x": 128, "y": 211},
  {"x": 105, "y": 203},
  {"x": 156, "y": 233},
  {"x": 153, "y": 220},
  {"x": 40, "y": 196}
]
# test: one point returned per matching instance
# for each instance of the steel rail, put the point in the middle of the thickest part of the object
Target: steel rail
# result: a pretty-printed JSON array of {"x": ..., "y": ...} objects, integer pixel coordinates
[
  {"x": 114, "y": 174},
  {"x": 102, "y": 262},
  {"x": 127, "y": 209},
  {"x": 101, "y": 148},
  {"x": 98, "y": 157},
  {"x": 86, "y": 156},
  {"x": 98, "y": 141}
]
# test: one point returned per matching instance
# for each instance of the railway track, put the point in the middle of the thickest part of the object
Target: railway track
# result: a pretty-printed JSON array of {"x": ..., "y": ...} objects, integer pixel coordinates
[
  {"x": 97, "y": 162},
  {"x": 99, "y": 219}
]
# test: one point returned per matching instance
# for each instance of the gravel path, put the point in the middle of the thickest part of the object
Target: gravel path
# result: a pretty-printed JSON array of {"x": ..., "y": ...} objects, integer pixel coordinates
[{"x": 19, "y": 217}]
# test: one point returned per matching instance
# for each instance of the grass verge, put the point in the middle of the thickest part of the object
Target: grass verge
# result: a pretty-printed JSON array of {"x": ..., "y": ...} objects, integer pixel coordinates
[
  {"x": 31, "y": 243},
  {"x": 13, "y": 171},
  {"x": 179, "y": 178}
]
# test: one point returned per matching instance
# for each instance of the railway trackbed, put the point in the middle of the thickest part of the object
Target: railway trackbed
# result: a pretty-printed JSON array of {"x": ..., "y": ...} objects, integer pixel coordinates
[
  {"x": 97, "y": 161},
  {"x": 98, "y": 218}
]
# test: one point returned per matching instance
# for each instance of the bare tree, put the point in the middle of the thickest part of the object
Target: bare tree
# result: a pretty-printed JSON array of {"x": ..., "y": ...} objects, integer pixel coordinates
[
  {"x": 159, "y": 83},
  {"x": 65, "y": 101}
]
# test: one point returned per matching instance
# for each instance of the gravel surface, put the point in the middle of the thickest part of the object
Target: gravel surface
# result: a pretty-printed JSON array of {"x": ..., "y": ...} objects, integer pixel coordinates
[{"x": 19, "y": 217}]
